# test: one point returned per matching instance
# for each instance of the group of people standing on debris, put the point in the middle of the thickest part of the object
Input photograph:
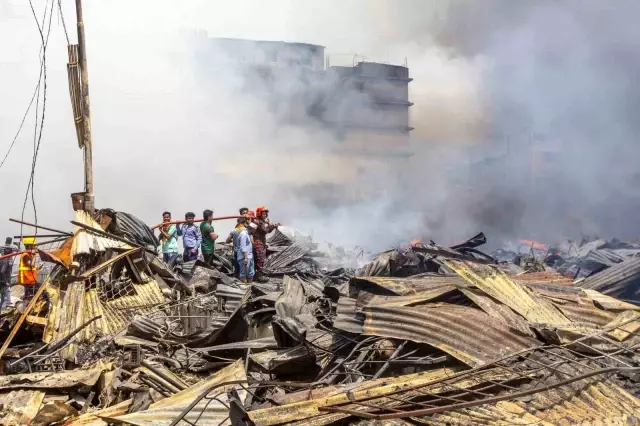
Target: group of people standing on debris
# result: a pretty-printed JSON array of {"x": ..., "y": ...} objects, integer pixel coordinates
[{"x": 249, "y": 238}]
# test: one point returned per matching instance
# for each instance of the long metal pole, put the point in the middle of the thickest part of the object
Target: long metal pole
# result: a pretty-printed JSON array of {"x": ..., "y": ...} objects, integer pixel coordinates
[{"x": 86, "y": 113}]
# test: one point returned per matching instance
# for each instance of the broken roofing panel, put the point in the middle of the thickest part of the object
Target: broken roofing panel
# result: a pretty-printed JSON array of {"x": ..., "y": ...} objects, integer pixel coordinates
[
  {"x": 55, "y": 380},
  {"x": 207, "y": 411},
  {"x": 19, "y": 407},
  {"x": 621, "y": 281},
  {"x": 502, "y": 288},
  {"x": 403, "y": 286},
  {"x": 84, "y": 241},
  {"x": 467, "y": 334}
]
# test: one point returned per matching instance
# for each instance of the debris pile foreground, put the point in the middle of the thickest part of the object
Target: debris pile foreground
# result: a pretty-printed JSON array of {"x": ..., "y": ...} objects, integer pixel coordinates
[{"x": 422, "y": 335}]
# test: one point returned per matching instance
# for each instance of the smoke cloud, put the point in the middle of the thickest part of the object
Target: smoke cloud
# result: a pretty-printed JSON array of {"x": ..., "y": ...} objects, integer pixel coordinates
[{"x": 174, "y": 130}]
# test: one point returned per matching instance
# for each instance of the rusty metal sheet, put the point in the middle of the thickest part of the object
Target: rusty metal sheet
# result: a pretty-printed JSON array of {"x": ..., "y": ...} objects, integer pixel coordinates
[
  {"x": 307, "y": 410},
  {"x": 418, "y": 298},
  {"x": 465, "y": 333},
  {"x": 498, "y": 311},
  {"x": 502, "y": 288},
  {"x": 84, "y": 242},
  {"x": 556, "y": 292},
  {"x": 586, "y": 313},
  {"x": 116, "y": 313},
  {"x": 166, "y": 410},
  {"x": 403, "y": 286},
  {"x": 609, "y": 303},
  {"x": 546, "y": 277},
  {"x": 621, "y": 280},
  {"x": 20, "y": 407},
  {"x": 626, "y": 324},
  {"x": 602, "y": 402},
  {"x": 98, "y": 268},
  {"x": 55, "y": 380},
  {"x": 94, "y": 418},
  {"x": 348, "y": 318}
]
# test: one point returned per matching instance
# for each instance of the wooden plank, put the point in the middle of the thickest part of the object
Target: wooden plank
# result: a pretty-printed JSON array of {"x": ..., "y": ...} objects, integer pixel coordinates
[{"x": 22, "y": 318}]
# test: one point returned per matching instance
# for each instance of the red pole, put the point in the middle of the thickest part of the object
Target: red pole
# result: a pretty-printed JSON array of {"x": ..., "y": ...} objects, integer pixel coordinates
[
  {"x": 17, "y": 253},
  {"x": 177, "y": 222}
]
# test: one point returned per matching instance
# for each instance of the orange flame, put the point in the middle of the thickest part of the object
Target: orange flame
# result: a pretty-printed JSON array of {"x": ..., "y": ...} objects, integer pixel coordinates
[
  {"x": 415, "y": 242},
  {"x": 534, "y": 244}
]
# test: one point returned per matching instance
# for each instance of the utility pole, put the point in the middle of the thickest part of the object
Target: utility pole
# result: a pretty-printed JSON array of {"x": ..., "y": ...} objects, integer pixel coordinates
[{"x": 86, "y": 113}]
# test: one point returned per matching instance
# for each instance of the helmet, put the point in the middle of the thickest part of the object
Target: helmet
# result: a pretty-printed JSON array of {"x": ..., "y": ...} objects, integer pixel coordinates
[
  {"x": 29, "y": 241},
  {"x": 261, "y": 209}
]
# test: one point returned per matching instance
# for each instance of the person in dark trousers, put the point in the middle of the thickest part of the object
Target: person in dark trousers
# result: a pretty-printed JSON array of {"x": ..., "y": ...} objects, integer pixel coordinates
[
  {"x": 209, "y": 237},
  {"x": 264, "y": 227},
  {"x": 169, "y": 239},
  {"x": 6, "y": 265},
  {"x": 191, "y": 238}
]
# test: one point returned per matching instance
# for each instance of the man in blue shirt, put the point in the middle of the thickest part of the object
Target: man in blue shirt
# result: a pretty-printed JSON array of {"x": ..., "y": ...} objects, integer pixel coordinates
[
  {"x": 169, "y": 239},
  {"x": 191, "y": 238},
  {"x": 244, "y": 252}
]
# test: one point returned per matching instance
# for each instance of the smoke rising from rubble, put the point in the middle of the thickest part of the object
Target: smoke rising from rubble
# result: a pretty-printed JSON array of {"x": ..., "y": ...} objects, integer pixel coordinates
[{"x": 492, "y": 73}]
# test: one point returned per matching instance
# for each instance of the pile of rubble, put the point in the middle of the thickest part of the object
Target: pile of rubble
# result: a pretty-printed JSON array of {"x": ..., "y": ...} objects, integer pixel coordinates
[{"x": 424, "y": 334}]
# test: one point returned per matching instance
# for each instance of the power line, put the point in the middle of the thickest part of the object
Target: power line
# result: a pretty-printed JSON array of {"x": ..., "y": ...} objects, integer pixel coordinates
[
  {"x": 38, "y": 133},
  {"x": 64, "y": 25}
]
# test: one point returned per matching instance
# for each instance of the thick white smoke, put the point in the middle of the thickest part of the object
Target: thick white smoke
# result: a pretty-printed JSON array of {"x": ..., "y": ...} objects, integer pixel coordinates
[{"x": 495, "y": 75}]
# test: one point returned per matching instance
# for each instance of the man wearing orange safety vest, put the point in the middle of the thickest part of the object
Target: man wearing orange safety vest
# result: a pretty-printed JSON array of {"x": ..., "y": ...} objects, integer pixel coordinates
[{"x": 27, "y": 269}]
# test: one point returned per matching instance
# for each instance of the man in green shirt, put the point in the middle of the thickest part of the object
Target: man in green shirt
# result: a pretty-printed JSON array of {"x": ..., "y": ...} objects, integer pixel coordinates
[{"x": 209, "y": 237}]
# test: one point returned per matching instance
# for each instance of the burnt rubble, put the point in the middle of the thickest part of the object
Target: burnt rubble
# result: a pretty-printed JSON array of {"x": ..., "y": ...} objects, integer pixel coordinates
[{"x": 420, "y": 334}]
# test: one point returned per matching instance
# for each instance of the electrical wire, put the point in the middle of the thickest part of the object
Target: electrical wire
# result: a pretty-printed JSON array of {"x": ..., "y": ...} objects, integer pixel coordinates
[
  {"x": 64, "y": 25},
  {"x": 38, "y": 131}
]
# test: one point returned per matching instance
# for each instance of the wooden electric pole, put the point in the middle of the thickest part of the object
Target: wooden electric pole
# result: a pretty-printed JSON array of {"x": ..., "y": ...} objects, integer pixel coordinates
[{"x": 86, "y": 113}]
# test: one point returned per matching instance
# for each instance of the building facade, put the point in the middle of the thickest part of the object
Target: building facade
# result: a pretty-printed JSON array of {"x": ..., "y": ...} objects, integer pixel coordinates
[{"x": 361, "y": 111}]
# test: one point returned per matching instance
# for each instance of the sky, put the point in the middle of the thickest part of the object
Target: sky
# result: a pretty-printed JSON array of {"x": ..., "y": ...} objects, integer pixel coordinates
[{"x": 488, "y": 78}]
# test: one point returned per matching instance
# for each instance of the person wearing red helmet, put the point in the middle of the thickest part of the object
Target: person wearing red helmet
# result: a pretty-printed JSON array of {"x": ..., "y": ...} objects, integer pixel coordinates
[{"x": 260, "y": 240}]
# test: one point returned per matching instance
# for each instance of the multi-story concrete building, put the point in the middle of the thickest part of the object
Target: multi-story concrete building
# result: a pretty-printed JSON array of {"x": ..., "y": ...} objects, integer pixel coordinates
[{"x": 361, "y": 111}]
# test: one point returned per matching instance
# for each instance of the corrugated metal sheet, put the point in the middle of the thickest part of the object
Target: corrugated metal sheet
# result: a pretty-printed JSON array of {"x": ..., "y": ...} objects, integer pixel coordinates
[
  {"x": 502, "y": 288},
  {"x": 231, "y": 295},
  {"x": 84, "y": 241},
  {"x": 93, "y": 418},
  {"x": 215, "y": 412},
  {"x": 404, "y": 286},
  {"x": 55, "y": 380},
  {"x": 467, "y": 334},
  {"x": 546, "y": 277},
  {"x": 621, "y": 281},
  {"x": 586, "y": 313},
  {"x": 116, "y": 313},
  {"x": 601, "y": 402},
  {"x": 307, "y": 410},
  {"x": 20, "y": 407},
  {"x": 609, "y": 303},
  {"x": 498, "y": 311},
  {"x": 347, "y": 316},
  {"x": 604, "y": 256},
  {"x": 556, "y": 292},
  {"x": 411, "y": 300}
]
